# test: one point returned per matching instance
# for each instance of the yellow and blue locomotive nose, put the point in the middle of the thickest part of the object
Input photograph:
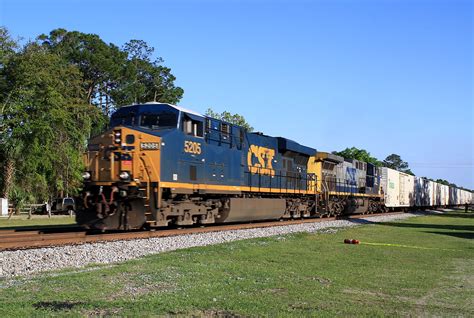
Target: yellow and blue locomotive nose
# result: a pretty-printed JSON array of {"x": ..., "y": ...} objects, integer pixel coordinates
[
  {"x": 123, "y": 155},
  {"x": 122, "y": 174}
]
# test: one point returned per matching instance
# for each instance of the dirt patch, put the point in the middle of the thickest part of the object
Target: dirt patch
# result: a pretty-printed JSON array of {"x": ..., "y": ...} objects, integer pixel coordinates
[
  {"x": 135, "y": 286},
  {"x": 454, "y": 293},
  {"x": 134, "y": 290},
  {"x": 276, "y": 291},
  {"x": 321, "y": 280},
  {"x": 110, "y": 312},
  {"x": 379, "y": 295},
  {"x": 206, "y": 314},
  {"x": 304, "y": 306}
]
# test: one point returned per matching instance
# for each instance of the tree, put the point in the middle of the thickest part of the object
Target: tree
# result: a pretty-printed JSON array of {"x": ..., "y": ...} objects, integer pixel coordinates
[
  {"x": 8, "y": 48},
  {"x": 144, "y": 80},
  {"x": 113, "y": 77},
  {"x": 442, "y": 181},
  {"x": 226, "y": 116},
  {"x": 46, "y": 124},
  {"x": 395, "y": 162},
  {"x": 100, "y": 63},
  {"x": 9, "y": 150},
  {"x": 358, "y": 154}
]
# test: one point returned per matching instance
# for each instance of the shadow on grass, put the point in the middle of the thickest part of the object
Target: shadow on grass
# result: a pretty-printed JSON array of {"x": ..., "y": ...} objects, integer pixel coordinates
[
  {"x": 447, "y": 227},
  {"x": 464, "y": 235},
  {"x": 456, "y": 214},
  {"x": 431, "y": 226},
  {"x": 56, "y": 305}
]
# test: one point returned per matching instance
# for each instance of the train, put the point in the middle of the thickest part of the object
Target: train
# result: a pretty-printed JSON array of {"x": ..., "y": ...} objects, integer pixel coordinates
[{"x": 163, "y": 165}]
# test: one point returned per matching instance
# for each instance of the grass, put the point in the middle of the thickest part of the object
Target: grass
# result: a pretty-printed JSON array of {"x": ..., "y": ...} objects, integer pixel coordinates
[
  {"x": 36, "y": 221},
  {"x": 428, "y": 270}
]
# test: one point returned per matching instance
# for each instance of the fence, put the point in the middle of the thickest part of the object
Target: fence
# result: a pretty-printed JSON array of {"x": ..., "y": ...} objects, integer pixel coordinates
[{"x": 25, "y": 209}]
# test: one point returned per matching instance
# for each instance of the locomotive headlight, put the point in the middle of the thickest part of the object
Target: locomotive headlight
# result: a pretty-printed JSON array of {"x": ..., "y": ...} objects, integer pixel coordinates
[
  {"x": 86, "y": 175},
  {"x": 124, "y": 175},
  {"x": 117, "y": 137}
]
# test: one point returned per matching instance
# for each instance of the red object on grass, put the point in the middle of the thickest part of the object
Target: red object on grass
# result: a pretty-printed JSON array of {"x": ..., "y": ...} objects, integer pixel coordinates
[{"x": 349, "y": 241}]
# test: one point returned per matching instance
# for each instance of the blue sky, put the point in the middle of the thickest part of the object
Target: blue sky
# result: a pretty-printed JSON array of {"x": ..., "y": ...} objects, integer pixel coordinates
[{"x": 386, "y": 76}]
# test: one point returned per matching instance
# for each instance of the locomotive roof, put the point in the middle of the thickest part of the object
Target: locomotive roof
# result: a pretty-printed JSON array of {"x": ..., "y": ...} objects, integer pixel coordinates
[{"x": 192, "y": 112}]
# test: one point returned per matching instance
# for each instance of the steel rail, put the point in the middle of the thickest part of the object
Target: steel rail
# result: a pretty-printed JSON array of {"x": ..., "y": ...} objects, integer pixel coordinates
[{"x": 15, "y": 240}]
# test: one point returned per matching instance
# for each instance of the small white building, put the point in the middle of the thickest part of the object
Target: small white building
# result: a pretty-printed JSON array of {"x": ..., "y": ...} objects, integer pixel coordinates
[{"x": 3, "y": 207}]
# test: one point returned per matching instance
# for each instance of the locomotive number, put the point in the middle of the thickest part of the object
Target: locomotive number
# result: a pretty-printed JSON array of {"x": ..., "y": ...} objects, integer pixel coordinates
[{"x": 192, "y": 147}]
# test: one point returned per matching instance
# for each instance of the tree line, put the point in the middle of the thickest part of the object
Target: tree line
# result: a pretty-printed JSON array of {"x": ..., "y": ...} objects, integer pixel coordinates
[{"x": 58, "y": 90}]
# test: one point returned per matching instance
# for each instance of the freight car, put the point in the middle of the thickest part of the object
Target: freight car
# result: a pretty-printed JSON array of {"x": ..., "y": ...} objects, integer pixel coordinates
[{"x": 160, "y": 164}]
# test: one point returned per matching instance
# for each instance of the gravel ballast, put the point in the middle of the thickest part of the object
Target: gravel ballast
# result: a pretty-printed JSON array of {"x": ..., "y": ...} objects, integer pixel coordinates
[{"x": 27, "y": 262}]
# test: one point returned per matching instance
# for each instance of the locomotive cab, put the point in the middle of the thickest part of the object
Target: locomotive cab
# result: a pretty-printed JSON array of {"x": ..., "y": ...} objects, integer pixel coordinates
[{"x": 122, "y": 172}]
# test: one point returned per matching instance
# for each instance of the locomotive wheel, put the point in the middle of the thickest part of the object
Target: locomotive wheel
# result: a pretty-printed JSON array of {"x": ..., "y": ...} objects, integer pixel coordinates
[
  {"x": 128, "y": 215},
  {"x": 332, "y": 209}
]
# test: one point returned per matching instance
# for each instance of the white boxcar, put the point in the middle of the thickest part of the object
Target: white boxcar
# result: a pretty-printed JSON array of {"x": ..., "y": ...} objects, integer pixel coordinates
[
  {"x": 430, "y": 193},
  {"x": 461, "y": 196},
  {"x": 422, "y": 192},
  {"x": 444, "y": 195},
  {"x": 466, "y": 197},
  {"x": 452, "y": 195},
  {"x": 437, "y": 188},
  {"x": 458, "y": 196},
  {"x": 398, "y": 188}
]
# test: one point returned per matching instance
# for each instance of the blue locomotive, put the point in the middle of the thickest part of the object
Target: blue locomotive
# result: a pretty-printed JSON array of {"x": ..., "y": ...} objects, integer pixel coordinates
[{"x": 162, "y": 164}]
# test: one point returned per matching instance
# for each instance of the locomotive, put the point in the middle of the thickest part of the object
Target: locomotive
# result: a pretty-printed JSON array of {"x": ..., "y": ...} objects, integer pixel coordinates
[{"x": 161, "y": 164}]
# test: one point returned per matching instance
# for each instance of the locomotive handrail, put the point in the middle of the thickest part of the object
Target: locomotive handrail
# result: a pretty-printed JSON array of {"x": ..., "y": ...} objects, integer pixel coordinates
[{"x": 294, "y": 182}]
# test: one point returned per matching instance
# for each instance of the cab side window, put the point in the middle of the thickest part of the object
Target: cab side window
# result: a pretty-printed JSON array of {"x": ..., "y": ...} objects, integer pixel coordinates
[{"x": 193, "y": 127}]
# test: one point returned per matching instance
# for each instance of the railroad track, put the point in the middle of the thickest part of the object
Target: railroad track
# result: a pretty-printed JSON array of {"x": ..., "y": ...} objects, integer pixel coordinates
[{"x": 14, "y": 240}]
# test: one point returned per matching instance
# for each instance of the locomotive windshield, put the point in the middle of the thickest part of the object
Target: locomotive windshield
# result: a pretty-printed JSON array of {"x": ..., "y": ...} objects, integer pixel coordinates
[
  {"x": 127, "y": 119},
  {"x": 154, "y": 116},
  {"x": 158, "y": 120}
]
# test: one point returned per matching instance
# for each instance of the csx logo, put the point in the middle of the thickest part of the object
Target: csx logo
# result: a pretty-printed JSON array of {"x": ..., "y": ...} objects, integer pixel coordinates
[{"x": 259, "y": 160}]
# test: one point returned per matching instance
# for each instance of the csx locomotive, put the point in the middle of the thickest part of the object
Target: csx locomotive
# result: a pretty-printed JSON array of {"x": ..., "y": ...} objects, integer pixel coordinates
[{"x": 161, "y": 164}]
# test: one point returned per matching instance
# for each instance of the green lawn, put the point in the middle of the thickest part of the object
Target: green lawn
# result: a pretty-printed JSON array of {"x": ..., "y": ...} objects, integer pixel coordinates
[
  {"x": 428, "y": 270},
  {"x": 36, "y": 221}
]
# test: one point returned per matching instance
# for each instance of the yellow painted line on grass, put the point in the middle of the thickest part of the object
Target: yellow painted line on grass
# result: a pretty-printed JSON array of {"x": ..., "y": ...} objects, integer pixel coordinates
[{"x": 409, "y": 246}]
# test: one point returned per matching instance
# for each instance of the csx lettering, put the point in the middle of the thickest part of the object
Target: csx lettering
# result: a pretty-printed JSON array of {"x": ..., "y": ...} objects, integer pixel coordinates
[
  {"x": 259, "y": 160},
  {"x": 192, "y": 147}
]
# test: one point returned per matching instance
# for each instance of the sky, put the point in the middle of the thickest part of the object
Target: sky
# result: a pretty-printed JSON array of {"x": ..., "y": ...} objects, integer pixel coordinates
[{"x": 388, "y": 76}]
